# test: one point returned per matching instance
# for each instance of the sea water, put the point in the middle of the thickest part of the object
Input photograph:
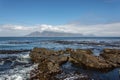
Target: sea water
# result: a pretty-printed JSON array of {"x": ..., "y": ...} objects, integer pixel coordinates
[{"x": 17, "y": 66}]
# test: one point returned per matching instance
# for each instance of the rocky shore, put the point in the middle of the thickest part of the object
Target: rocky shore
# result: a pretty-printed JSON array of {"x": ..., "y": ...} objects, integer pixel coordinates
[
  {"x": 50, "y": 61},
  {"x": 13, "y": 51}
]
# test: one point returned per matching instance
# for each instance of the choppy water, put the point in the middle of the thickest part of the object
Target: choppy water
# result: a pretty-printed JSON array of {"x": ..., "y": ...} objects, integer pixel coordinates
[{"x": 18, "y": 66}]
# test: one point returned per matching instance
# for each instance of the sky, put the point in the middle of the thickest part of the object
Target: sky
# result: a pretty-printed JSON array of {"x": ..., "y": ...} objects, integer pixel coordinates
[{"x": 88, "y": 17}]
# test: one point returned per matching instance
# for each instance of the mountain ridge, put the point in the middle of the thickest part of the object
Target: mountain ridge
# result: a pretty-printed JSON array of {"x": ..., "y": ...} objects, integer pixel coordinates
[{"x": 53, "y": 34}]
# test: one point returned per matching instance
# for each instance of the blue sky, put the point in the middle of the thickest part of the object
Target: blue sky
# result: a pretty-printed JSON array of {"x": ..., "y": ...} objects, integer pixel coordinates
[
  {"x": 29, "y": 13},
  {"x": 56, "y": 12}
]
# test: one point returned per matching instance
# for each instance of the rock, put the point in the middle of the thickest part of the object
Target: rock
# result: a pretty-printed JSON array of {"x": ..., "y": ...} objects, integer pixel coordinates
[
  {"x": 47, "y": 70},
  {"x": 111, "y": 51},
  {"x": 112, "y": 56},
  {"x": 53, "y": 68},
  {"x": 68, "y": 50},
  {"x": 62, "y": 59},
  {"x": 49, "y": 62},
  {"x": 86, "y": 51},
  {"x": 85, "y": 58}
]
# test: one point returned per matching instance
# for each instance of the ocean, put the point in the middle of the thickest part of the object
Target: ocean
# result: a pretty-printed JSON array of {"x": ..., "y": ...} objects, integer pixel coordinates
[{"x": 17, "y": 65}]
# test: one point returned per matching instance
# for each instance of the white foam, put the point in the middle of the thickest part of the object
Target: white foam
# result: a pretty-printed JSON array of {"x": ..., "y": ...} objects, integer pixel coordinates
[
  {"x": 70, "y": 78},
  {"x": 75, "y": 76},
  {"x": 19, "y": 73},
  {"x": 21, "y": 55},
  {"x": 16, "y": 77},
  {"x": 2, "y": 62}
]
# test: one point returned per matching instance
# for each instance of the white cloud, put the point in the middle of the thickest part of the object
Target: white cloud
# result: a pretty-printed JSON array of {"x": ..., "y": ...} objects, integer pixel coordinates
[{"x": 112, "y": 29}]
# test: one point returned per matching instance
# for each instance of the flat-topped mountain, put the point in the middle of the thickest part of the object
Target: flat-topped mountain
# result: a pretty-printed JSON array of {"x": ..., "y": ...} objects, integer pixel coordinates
[{"x": 53, "y": 34}]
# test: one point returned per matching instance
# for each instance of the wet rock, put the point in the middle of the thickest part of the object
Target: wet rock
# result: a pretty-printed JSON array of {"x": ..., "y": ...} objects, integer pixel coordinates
[
  {"x": 112, "y": 56},
  {"x": 68, "y": 50},
  {"x": 49, "y": 62},
  {"x": 85, "y": 51},
  {"x": 85, "y": 58},
  {"x": 111, "y": 51}
]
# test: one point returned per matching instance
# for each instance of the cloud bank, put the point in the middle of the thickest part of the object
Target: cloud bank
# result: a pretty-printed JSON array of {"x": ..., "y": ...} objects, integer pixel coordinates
[{"x": 111, "y": 29}]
